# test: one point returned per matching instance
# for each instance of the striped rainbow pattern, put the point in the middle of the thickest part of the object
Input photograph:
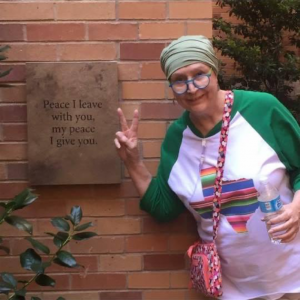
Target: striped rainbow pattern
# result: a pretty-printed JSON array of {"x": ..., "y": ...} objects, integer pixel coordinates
[{"x": 239, "y": 200}]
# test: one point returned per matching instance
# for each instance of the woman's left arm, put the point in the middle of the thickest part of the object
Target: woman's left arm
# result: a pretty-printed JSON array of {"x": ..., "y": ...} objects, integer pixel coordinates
[{"x": 290, "y": 219}]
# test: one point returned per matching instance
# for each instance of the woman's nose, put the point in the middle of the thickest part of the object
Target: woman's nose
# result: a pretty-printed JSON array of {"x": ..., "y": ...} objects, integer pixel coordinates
[{"x": 191, "y": 88}]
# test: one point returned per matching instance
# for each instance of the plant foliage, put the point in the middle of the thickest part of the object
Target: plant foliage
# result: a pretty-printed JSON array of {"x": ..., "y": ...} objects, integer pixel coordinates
[
  {"x": 69, "y": 229},
  {"x": 264, "y": 43}
]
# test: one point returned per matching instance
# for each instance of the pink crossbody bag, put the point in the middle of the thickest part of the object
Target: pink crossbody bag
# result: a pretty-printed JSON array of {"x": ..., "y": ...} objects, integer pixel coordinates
[{"x": 205, "y": 271}]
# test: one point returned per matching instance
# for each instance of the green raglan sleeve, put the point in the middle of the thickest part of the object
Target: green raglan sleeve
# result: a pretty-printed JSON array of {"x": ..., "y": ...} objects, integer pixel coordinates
[
  {"x": 159, "y": 200},
  {"x": 274, "y": 122},
  {"x": 287, "y": 136}
]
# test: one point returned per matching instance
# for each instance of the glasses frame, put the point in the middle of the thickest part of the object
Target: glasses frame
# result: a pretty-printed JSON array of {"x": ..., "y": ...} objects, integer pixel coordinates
[{"x": 193, "y": 81}]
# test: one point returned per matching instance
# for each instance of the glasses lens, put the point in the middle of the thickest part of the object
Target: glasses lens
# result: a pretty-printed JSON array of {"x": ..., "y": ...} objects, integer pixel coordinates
[
  {"x": 201, "y": 81},
  {"x": 179, "y": 87}
]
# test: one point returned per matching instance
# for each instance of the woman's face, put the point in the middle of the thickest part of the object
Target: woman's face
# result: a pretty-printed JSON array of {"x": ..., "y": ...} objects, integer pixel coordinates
[{"x": 196, "y": 100}]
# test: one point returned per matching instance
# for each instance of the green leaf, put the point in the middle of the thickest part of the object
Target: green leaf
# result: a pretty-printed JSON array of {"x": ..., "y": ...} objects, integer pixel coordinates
[
  {"x": 18, "y": 297},
  {"x": 39, "y": 268},
  {"x": 5, "y": 249},
  {"x": 38, "y": 245},
  {"x": 23, "y": 199},
  {"x": 70, "y": 218},
  {"x": 67, "y": 259},
  {"x": 60, "y": 238},
  {"x": 10, "y": 279},
  {"x": 21, "y": 292},
  {"x": 45, "y": 280},
  {"x": 60, "y": 298},
  {"x": 84, "y": 226},
  {"x": 29, "y": 259},
  {"x": 83, "y": 235},
  {"x": 5, "y": 73},
  {"x": 35, "y": 298},
  {"x": 60, "y": 224},
  {"x": 5, "y": 288},
  {"x": 4, "y": 48},
  {"x": 76, "y": 214},
  {"x": 19, "y": 223}
]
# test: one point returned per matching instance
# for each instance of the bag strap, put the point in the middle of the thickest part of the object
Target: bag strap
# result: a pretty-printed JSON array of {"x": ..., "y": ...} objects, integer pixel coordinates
[{"x": 221, "y": 161}]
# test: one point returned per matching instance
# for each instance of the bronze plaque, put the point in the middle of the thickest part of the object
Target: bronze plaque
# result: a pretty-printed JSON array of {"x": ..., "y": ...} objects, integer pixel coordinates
[{"x": 72, "y": 121}]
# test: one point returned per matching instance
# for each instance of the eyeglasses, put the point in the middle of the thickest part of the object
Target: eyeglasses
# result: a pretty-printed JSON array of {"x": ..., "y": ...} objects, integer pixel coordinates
[{"x": 200, "y": 82}]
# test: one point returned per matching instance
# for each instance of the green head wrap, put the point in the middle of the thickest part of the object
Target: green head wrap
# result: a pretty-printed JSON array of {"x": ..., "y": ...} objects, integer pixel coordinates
[{"x": 188, "y": 50}]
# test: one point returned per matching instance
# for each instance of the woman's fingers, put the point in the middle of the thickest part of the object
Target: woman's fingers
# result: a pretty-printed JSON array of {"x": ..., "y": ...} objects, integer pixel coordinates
[
  {"x": 117, "y": 143},
  {"x": 123, "y": 120},
  {"x": 135, "y": 122}
]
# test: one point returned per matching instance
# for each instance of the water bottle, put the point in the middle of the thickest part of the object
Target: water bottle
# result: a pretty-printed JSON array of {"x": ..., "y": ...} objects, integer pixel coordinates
[{"x": 270, "y": 204}]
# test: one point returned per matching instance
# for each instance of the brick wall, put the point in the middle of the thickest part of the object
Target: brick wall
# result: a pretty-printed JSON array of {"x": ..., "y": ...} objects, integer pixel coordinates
[{"x": 133, "y": 257}]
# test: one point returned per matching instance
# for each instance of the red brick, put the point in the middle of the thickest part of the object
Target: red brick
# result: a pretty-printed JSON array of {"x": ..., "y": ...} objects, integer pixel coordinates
[
  {"x": 124, "y": 190},
  {"x": 113, "y": 31},
  {"x": 99, "y": 207},
  {"x": 10, "y": 113},
  {"x": 145, "y": 10},
  {"x": 44, "y": 208},
  {"x": 121, "y": 296},
  {"x": 161, "y": 30},
  {"x": 156, "y": 111},
  {"x": 150, "y": 225},
  {"x": 166, "y": 295},
  {"x": 17, "y": 171},
  {"x": 86, "y": 11},
  {"x": 164, "y": 262},
  {"x": 128, "y": 71},
  {"x": 200, "y": 28},
  {"x": 151, "y": 149},
  {"x": 14, "y": 132},
  {"x": 5, "y": 243},
  {"x": 15, "y": 93},
  {"x": 11, "y": 32},
  {"x": 13, "y": 152},
  {"x": 150, "y": 130},
  {"x": 141, "y": 51},
  {"x": 10, "y": 190},
  {"x": 98, "y": 281},
  {"x": 95, "y": 51},
  {"x": 11, "y": 265},
  {"x": 152, "y": 70},
  {"x": 190, "y": 10},
  {"x": 152, "y": 166},
  {"x": 3, "y": 172},
  {"x": 17, "y": 74},
  {"x": 55, "y": 32},
  {"x": 180, "y": 279},
  {"x": 146, "y": 243},
  {"x": 148, "y": 280},
  {"x": 70, "y": 295},
  {"x": 143, "y": 90},
  {"x": 118, "y": 226},
  {"x": 181, "y": 242},
  {"x": 117, "y": 263},
  {"x": 133, "y": 207},
  {"x": 26, "y": 11},
  {"x": 98, "y": 245},
  {"x": 32, "y": 52}
]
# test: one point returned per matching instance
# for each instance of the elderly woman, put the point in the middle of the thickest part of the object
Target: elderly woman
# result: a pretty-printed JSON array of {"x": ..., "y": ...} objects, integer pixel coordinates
[{"x": 264, "y": 141}]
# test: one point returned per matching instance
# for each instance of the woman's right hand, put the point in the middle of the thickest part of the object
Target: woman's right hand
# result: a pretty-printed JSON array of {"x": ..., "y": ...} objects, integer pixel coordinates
[{"x": 126, "y": 140}]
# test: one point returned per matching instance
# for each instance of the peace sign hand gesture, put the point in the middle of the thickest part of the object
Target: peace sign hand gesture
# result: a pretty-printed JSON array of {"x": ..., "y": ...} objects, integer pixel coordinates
[{"x": 126, "y": 141}]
